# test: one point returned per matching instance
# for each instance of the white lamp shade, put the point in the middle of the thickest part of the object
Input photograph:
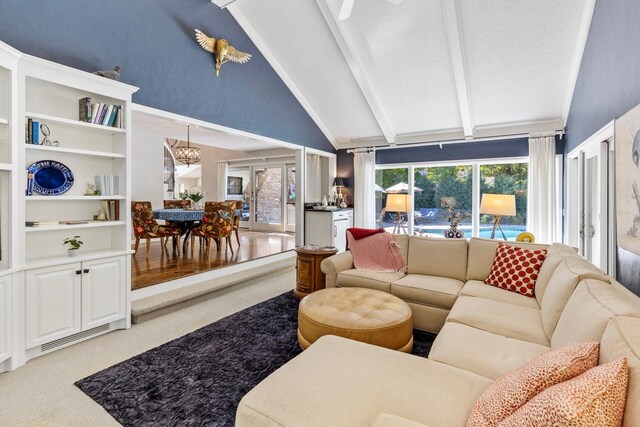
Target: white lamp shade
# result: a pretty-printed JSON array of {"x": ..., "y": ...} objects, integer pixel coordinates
[
  {"x": 398, "y": 203},
  {"x": 498, "y": 204}
]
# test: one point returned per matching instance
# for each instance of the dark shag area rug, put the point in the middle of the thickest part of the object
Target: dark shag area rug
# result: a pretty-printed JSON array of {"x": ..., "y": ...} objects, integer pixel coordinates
[{"x": 199, "y": 379}]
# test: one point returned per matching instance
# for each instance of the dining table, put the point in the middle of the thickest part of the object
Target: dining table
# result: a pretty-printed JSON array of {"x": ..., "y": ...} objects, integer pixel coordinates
[{"x": 184, "y": 219}]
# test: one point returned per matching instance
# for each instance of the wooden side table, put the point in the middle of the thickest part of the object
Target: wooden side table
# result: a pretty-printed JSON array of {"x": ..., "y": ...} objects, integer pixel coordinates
[{"x": 309, "y": 276}]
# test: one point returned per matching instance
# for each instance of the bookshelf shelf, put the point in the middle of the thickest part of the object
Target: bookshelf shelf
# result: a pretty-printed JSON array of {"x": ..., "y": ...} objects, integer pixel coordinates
[
  {"x": 6, "y": 167},
  {"x": 3, "y": 121},
  {"x": 73, "y": 198},
  {"x": 90, "y": 224},
  {"x": 73, "y": 123},
  {"x": 74, "y": 151}
]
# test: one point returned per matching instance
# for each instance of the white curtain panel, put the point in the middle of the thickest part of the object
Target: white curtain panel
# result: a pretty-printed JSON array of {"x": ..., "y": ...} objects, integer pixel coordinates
[
  {"x": 541, "y": 203},
  {"x": 221, "y": 181},
  {"x": 314, "y": 179},
  {"x": 364, "y": 196}
]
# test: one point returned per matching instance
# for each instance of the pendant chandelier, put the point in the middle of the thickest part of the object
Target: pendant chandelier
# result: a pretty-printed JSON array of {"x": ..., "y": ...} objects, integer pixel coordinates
[{"x": 187, "y": 155}]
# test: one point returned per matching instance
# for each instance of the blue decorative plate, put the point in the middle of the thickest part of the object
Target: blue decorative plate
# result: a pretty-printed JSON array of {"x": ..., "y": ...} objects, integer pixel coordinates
[{"x": 51, "y": 178}]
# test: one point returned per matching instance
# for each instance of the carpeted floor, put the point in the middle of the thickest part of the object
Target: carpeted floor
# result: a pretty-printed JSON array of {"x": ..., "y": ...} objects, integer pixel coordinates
[{"x": 199, "y": 379}]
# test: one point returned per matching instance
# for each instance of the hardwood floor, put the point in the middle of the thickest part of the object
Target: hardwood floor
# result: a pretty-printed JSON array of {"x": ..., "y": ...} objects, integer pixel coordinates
[{"x": 164, "y": 265}]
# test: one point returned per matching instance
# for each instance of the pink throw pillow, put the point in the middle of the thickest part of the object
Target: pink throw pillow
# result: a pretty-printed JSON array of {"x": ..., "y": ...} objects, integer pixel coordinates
[
  {"x": 595, "y": 398},
  {"x": 516, "y": 269},
  {"x": 509, "y": 392}
]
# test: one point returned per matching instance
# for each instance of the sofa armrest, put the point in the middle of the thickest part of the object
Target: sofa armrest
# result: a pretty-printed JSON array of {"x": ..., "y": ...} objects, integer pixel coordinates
[{"x": 335, "y": 264}]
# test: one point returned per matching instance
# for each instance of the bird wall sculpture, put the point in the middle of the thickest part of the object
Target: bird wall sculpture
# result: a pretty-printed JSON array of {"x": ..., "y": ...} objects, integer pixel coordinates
[
  {"x": 221, "y": 49},
  {"x": 110, "y": 74}
]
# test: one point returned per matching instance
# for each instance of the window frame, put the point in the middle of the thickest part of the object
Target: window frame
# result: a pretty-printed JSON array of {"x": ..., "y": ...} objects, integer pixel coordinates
[{"x": 474, "y": 163}]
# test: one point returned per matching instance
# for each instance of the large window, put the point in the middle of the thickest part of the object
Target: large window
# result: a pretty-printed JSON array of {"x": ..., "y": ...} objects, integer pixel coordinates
[
  {"x": 462, "y": 184},
  {"x": 507, "y": 178},
  {"x": 454, "y": 184}
]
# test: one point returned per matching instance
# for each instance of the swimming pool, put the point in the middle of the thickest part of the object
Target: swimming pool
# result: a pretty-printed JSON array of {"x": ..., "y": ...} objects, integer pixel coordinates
[{"x": 511, "y": 231}]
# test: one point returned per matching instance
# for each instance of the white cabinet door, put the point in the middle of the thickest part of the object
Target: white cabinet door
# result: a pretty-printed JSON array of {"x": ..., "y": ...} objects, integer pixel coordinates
[
  {"x": 52, "y": 303},
  {"x": 103, "y": 291},
  {"x": 5, "y": 337}
]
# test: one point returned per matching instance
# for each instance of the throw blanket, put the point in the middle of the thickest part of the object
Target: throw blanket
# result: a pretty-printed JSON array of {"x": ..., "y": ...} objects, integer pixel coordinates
[{"x": 376, "y": 252}]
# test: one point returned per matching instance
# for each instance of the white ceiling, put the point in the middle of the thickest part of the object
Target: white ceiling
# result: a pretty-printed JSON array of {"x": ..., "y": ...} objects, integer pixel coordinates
[
  {"x": 424, "y": 70},
  {"x": 173, "y": 129}
]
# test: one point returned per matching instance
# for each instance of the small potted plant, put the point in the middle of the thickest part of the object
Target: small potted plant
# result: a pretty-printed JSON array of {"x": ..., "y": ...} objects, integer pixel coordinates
[
  {"x": 196, "y": 196},
  {"x": 75, "y": 244}
]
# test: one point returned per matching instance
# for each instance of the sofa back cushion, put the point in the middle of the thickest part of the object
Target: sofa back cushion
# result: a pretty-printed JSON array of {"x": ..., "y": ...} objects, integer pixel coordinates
[
  {"x": 555, "y": 254},
  {"x": 588, "y": 311},
  {"x": 481, "y": 255},
  {"x": 403, "y": 246},
  {"x": 438, "y": 257},
  {"x": 571, "y": 271},
  {"x": 622, "y": 339}
]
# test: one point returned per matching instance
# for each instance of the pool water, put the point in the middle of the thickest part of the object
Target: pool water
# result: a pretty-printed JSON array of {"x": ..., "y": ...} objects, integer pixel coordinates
[{"x": 510, "y": 231}]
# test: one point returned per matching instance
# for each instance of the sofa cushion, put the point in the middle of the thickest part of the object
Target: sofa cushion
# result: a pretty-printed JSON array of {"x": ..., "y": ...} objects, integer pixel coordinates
[
  {"x": 571, "y": 271},
  {"x": 516, "y": 269},
  {"x": 435, "y": 291},
  {"x": 340, "y": 382},
  {"x": 511, "y": 321},
  {"x": 438, "y": 257},
  {"x": 367, "y": 279},
  {"x": 622, "y": 339},
  {"x": 492, "y": 356},
  {"x": 555, "y": 254},
  {"x": 511, "y": 391},
  {"x": 587, "y": 314},
  {"x": 476, "y": 288},
  {"x": 595, "y": 398},
  {"x": 481, "y": 255},
  {"x": 390, "y": 420}
]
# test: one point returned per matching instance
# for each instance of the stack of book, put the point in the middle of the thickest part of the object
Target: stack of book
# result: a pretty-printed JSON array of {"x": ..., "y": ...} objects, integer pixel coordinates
[
  {"x": 31, "y": 132},
  {"x": 50, "y": 223},
  {"x": 107, "y": 185},
  {"x": 101, "y": 114}
]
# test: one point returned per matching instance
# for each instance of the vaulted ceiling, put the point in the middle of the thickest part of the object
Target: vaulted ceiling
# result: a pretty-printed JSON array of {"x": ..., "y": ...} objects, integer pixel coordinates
[{"x": 424, "y": 70}]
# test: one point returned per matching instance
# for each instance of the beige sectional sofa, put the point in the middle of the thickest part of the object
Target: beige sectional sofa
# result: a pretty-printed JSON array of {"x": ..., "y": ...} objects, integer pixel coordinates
[{"x": 483, "y": 332}]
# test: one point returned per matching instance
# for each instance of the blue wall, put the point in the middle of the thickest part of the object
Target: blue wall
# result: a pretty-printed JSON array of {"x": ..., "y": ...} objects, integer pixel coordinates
[
  {"x": 609, "y": 80},
  {"x": 608, "y": 86},
  {"x": 153, "y": 40}
]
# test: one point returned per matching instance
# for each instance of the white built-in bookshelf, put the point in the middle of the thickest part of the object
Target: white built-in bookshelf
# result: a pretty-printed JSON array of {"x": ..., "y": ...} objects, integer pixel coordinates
[
  {"x": 9, "y": 315},
  {"x": 47, "y": 298}
]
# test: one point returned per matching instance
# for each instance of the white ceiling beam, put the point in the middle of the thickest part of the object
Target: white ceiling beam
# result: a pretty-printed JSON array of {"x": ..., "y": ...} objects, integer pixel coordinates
[
  {"x": 341, "y": 34},
  {"x": 486, "y": 132},
  {"x": 583, "y": 34},
  {"x": 456, "y": 50},
  {"x": 279, "y": 69}
]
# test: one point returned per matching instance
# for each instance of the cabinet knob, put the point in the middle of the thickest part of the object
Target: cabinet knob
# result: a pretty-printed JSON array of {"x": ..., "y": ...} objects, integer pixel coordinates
[
  {"x": 78, "y": 271},
  {"x": 86, "y": 270}
]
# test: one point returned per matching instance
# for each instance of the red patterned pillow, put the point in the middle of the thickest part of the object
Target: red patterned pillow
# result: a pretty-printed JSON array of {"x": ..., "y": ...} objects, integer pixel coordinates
[{"x": 516, "y": 269}]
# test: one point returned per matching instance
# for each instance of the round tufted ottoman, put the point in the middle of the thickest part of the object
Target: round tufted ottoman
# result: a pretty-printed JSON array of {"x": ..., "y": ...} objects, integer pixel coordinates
[{"x": 365, "y": 315}]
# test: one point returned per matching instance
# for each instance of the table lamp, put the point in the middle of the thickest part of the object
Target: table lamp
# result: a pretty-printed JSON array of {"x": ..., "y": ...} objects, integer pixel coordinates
[
  {"x": 339, "y": 184},
  {"x": 399, "y": 203},
  {"x": 498, "y": 205}
]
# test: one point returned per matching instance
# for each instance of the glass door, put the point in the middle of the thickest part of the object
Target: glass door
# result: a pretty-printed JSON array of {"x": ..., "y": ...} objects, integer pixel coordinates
[
  {"x": 594, "y": 216},
  {"x": 267, "y": 198},
  {"x": 290, "y": 212}
]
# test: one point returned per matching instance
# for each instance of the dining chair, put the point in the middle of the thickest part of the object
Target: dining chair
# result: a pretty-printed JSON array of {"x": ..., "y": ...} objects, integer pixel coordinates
[
  {"x": 175, "y": 204},
  {"x": 145, "y": 226},
  {"x": 217, "y": 223},
  {"x": 236, "y": 218}
]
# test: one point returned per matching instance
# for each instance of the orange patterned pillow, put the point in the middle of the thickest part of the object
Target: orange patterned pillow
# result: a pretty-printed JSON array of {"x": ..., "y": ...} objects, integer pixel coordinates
[
  {"x": 516, "y": 269},
  {"x": 595, "y": 398},
  {"x": 509, "y": 392}
]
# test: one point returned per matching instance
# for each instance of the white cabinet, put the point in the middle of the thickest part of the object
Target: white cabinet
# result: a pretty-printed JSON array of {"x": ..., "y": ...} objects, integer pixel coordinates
[
  {"x": 327, "y": 228},
  {"x": 103, "y": 298},
  {"x": 67, "y": 299},
  {"x": 5, "y": 309},
  {"x": 53, "y": 296}
]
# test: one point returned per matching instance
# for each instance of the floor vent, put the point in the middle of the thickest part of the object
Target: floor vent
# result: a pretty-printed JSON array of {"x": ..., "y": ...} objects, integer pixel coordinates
[{"x": 71, "y": 338}]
